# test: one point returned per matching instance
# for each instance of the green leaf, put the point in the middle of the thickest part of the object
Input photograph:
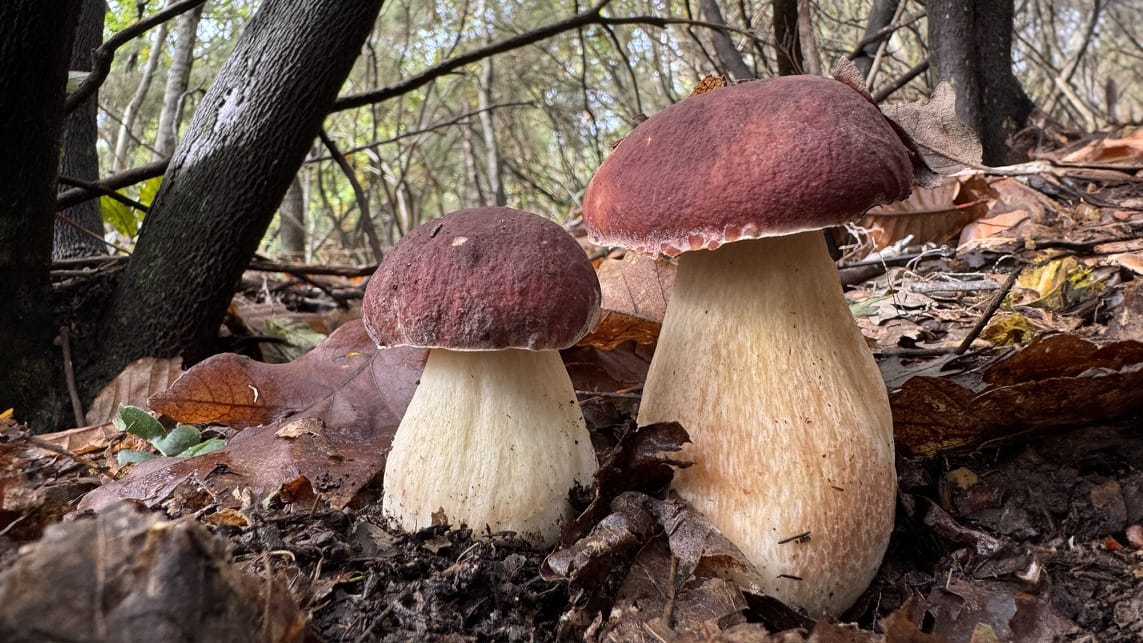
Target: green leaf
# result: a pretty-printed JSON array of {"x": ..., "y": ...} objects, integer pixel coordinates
[
  {"x": 181, "y": 438},
  {"x": 130, "y": 456},
  {"x": 148, "y": 189},
  {"x": 120, "y": 215},
  {"x": 213, "y": 444},
  {"x": 136, "y": 421}
]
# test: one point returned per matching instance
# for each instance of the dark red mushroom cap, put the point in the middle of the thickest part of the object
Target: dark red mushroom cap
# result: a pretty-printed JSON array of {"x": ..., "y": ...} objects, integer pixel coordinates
[
  {"x": 483, "y": 279},
  {"x": 758, "y": 159}
]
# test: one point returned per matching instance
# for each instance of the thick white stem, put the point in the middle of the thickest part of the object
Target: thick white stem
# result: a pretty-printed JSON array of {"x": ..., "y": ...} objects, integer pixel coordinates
[
  {"x": 491, "y": 439},
  {"x": 761, "y": 362}
]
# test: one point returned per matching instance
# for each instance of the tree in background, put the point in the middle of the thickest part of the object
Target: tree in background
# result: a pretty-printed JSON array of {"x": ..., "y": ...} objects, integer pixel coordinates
[
  {"x": 970, "y": 43},
  {"x": 81, "y": 234},
  {"x": 241, "y": 151},
  {"x": 35, "y": 46}
]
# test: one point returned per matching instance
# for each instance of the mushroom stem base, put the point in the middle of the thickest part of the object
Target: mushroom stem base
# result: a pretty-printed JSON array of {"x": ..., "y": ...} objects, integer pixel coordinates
[
  {"x": 493, "y": 440},
  {"x": 761, "y": 362}
]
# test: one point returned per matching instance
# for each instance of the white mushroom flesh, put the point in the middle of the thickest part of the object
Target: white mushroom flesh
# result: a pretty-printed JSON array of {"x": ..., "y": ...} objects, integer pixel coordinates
[
  {"x": 760, "y": 360},
  {"x": 492, "y": 440}
]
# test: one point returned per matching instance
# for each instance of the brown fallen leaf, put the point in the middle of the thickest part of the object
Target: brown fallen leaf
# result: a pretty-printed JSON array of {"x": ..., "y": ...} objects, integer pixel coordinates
[
  {"x": 141, "y": 378},
  {"x": 634, "y": 294},
  {"x": 1112, "y": 151},
  {"x": 1056, "y": 381},
  {"x": 993, "y": 610},
  {"x": 931, "y": 214},
  {"x": 126, "y": 575},
  {"x": 945, "y": 143},
  {"x": 352, "y": 393}
]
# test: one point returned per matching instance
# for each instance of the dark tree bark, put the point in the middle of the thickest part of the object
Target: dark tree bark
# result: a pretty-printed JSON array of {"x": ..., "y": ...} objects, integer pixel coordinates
[
  {"x": 728, "y": 54},
  {"x": 786, "y": 41},
  {"x": 970, "y": 43},
  {"x": 79, "y": 159},
  {"x": 35, "y": 43},
  {"x": 227, "y": 177},
  {"x": 880, "y": 15}
]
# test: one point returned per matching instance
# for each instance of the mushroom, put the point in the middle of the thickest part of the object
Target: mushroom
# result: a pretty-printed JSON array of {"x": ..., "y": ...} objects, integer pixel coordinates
[
  {"x": 758, "y": 356},
  {"x": 493, "y": 438}
]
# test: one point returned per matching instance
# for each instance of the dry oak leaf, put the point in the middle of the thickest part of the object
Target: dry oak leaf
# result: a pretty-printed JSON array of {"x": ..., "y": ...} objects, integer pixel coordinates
[
  {"x": 634, "y": 293},
  {"x": 931, "y": 214},
  {"x": 331, "y": 417},
  {"x": 1056, "y": 381},
  {"x": 945, "y": 143}
]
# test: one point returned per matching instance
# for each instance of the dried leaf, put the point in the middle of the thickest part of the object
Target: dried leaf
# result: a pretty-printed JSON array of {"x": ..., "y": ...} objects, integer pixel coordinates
[
  {"x": 343, "y": 400},
  {"x": 931, "y": 214},
  {"x": 125, "y": 575},
  {"x": 1112, "y": 151},
  {"x": 1056, "y": 381},
  {"x": 142, "y": 378},
  {"x": 992, "y": 610},
  {"x": 946, "y": 144},
  {"x": 634, "y": 291}
]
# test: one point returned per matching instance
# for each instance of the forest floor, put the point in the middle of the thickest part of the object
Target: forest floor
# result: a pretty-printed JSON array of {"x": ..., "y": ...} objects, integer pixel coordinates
[{"x": 1018, "y": 428}]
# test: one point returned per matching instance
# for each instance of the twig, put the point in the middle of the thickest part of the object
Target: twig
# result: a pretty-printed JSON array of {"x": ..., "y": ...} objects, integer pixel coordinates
[
  {"x": 102, "y": 56},
  {"x": 69, "y": 376},
  {"x": 901, "y": 81},
  {"x": 954, "y": 286},
  {"x": 265, "y": 265},
  {"x": 592, "y": 16},
  {"x": 993, "y": 306},
  {"x": 875, "y": 66},
  {"x": 95, "y": 187},
  {"x": 58, "y": 450},
  {"x": 91, "y": 233},
  {"x": 75, "y": 196},
  {"x": 364, "y": 221}
]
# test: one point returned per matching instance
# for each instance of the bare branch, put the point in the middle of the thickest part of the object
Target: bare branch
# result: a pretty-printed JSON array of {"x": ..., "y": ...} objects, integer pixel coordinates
[
  {"x": 68, "y": 198},
  {"x": 590, "y": 17},
  {"x": 365, "y": 221},
  {"x": 102, "y": 56}
]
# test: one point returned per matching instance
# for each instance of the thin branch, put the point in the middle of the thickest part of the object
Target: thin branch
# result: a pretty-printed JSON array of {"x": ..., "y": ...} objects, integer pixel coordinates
[
  {"x": 68, "y": 198},
  {"x": 95, "y": 187},
  {"x": 591, "y": 17},
  {"x": 901, "y": 81},
  {"x": 426, "y": 130},
  {"x": 366, "y": 222},
  {"x": 102, "y": 56}
]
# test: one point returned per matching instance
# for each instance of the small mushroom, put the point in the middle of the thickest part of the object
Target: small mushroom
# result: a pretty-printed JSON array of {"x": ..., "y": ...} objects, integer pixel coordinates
[
  {"x": 758, "y": 356},
  {"x": 493, "y": 437}
]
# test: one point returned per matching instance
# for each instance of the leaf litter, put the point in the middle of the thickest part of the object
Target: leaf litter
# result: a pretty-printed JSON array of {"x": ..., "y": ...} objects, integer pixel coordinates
[{"x": 1017, "y": 411}]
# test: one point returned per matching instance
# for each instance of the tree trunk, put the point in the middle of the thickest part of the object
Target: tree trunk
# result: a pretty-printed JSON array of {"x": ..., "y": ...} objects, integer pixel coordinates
[
  {"x": 786, "y": 41},
  {"x": 79, "y": 159},
  {"x": 728, "y": 54},
  {"x": 971, "y": 47},
  {"x": 123, "y": 138},
  {"x": 35, "y": 44},
  {"x": 292, "y": 222},
  {"x": 880, "y": 15},
  {"x": 492, "y": 163},
  {"x": 227, "y": 177},
  {"x": 178, "y": 77}
]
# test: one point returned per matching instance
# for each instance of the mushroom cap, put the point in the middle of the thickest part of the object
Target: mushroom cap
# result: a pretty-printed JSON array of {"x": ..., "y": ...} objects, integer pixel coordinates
[
  {"x": 757, "y": 159},
  {"x": 483, "y": 279}
]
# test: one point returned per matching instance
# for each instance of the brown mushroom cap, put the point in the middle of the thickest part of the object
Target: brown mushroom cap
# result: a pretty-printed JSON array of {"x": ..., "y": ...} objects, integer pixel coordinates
[
  {"x": 483, "y": 279},
  {"x": 758, "y": 159}
]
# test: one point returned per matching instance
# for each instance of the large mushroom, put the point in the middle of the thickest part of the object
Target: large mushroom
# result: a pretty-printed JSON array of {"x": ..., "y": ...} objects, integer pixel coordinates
[
  {"x": 493, "y": 437},
  {"x": 758, "y": 356}
]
